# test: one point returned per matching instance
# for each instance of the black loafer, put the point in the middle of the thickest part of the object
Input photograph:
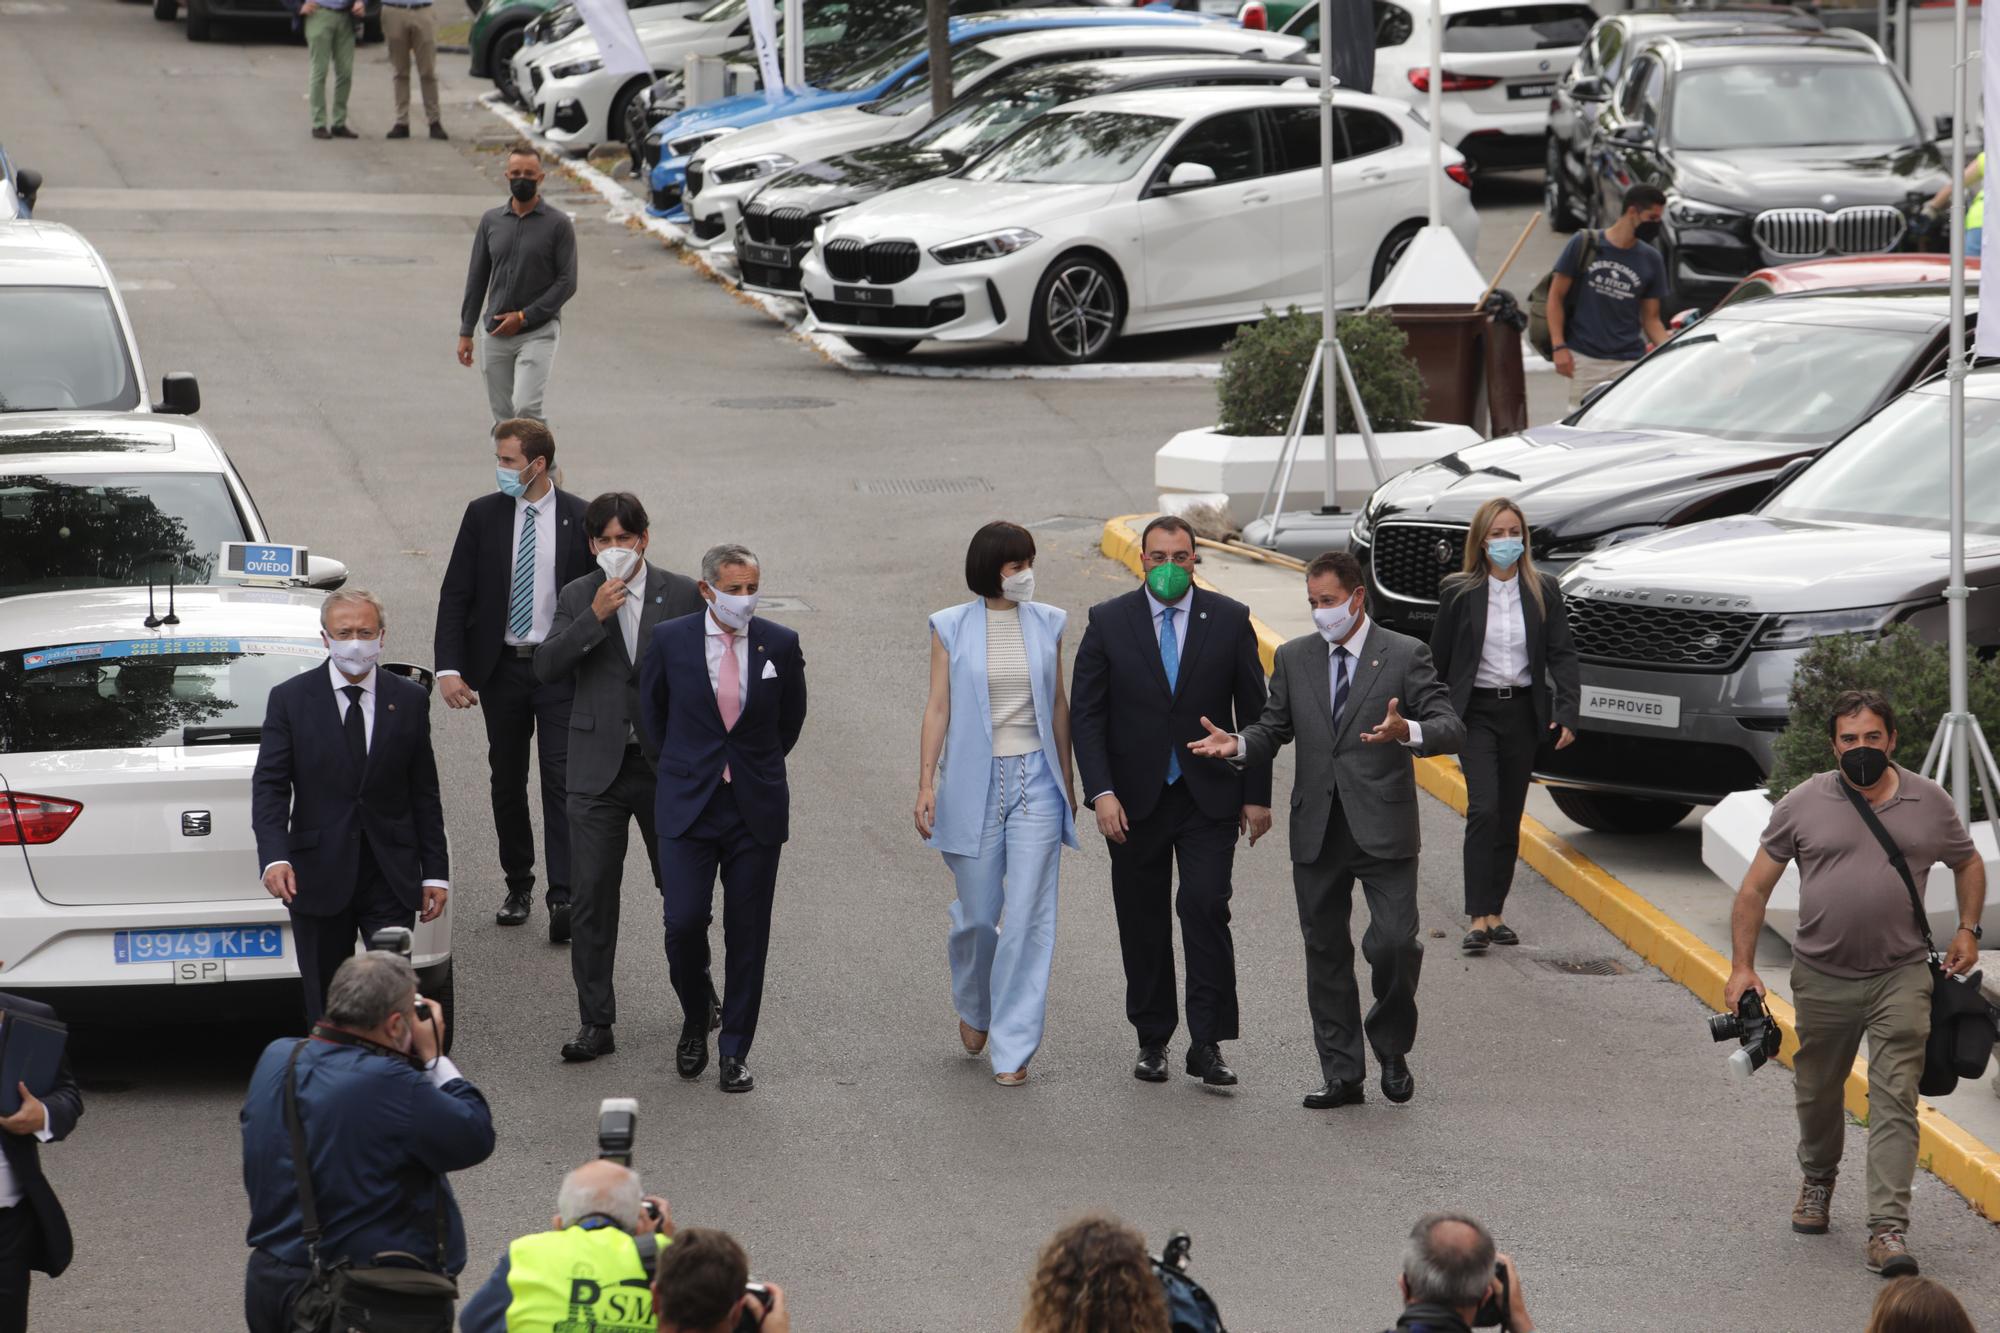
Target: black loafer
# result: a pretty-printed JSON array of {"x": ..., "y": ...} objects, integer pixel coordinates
[
  {"x": 1340, "y": 1092},
  {"x": 1475, "y": 942},
  {"x": 691, "y": 1055},
  {"x": 1152, "y": 1065},
  {"x": 398, "y": 132},
  {"x": 735, "y": 1077},
  {"x": 342, "y": 132},
  {"x": 514, "y": 910},
  {"x": 1204, "y": 1061},
  {"x": 1502, "y": 934},
  {"x": 1398, "y": 1083},
  {"x": 559, "y": 922},
  {"x": 590, "y": 1042},
  {"x": 322, "y": 132},
  {"x": 437, "y": 131}
]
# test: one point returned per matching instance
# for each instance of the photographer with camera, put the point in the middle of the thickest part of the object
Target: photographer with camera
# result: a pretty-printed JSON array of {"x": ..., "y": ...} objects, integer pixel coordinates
[
  {"x": 1454, "y": 1279},
  {"x": 604, "y": 1228},
  {"x": 347, "y": 1138},
  {"x": 1860, "y": 958},
  {"x": 703, "y": 1286}
]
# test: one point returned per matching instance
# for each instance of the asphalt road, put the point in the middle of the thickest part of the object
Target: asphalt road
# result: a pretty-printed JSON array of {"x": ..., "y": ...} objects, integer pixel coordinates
[{"x": 875, "y": 1171}]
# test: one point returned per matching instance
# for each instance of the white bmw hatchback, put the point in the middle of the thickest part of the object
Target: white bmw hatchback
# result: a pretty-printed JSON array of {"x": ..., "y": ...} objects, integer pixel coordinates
[
  {"x": 126, "y": 751},
  {"x": 1133, "y": 213}
]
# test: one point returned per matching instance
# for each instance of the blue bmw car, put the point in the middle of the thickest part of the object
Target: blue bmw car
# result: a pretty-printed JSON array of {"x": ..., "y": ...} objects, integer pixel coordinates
[{"x": 899, "y": 67}]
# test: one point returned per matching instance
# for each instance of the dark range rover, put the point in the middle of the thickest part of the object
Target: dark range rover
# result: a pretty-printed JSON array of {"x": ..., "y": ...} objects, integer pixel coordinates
[
  {"x": 1772, "y": 149},
  {"x": 1703, "y": 427}
]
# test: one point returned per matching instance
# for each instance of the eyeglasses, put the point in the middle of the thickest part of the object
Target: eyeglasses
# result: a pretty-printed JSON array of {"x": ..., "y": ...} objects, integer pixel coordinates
[{"x": 350, "y": 635}]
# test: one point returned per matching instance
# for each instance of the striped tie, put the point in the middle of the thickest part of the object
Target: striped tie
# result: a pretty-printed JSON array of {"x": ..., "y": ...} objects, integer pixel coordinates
[{"x": 521, "y": 616}]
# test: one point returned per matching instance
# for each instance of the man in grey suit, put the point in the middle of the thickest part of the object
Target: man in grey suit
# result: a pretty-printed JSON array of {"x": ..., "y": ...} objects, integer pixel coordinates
[
  {"x": 1359, "y": 698},
  {"x": 603, "y": 621}
]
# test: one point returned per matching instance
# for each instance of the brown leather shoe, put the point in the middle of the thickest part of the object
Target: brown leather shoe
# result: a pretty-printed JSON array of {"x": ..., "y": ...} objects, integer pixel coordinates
[
  {"x": 1889, "y": 1254},
  {"x": 1809, "y": 1214},
  {"x": 971, "y": 1038}
]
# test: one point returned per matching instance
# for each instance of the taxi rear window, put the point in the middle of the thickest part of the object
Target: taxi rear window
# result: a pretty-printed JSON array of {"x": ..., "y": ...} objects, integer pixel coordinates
[
  {"x": 124, "y": 694},
  {"x": 110, "y": 530}
]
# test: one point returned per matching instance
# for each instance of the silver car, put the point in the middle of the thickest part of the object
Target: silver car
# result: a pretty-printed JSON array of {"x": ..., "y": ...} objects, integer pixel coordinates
[{"x": 1689, "y": 638}]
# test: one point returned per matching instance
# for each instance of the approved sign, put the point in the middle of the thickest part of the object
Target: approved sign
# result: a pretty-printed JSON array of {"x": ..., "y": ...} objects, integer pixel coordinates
[{"x": 1651, "y": 710}]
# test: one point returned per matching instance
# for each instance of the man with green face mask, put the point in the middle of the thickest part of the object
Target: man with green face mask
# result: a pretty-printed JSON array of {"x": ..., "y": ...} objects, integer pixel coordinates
[{"x": 1152, "y": 664}]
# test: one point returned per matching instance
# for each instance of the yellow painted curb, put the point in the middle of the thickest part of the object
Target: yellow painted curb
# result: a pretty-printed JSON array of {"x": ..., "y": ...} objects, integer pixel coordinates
[{"x": 1943, "y": 1147}]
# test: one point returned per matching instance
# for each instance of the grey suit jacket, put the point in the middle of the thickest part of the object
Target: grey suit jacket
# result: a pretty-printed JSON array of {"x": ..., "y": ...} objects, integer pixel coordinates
[
  {"x": 1375, "y": 784},
  {"x": 606, "y": 711}
]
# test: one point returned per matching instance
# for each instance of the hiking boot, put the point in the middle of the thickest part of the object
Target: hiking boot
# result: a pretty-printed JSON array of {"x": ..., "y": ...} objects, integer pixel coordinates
[
  {"x": 1889, "y": 1254},
  {"x": 1809, "y": 1214}
]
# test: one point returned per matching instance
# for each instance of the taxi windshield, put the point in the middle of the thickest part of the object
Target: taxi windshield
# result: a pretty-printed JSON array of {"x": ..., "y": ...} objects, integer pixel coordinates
[
  {"x": 108, "y": 530},
  {"x": 144, "y": 693},
  {"x": 61, "y": 348}
]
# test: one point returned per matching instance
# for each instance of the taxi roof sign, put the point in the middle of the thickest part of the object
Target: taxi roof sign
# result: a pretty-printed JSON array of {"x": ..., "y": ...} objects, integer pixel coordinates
[{"x": 265, "y": 563}]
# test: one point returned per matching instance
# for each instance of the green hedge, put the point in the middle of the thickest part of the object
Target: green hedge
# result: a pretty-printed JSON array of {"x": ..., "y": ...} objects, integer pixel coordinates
[
  {"x": 1915, "y": 675},
  {"x": 1264, "y": 368}
]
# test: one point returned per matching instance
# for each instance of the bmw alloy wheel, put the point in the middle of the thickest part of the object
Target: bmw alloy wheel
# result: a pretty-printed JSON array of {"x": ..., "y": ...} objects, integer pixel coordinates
[{"x": 1079, "y": 310}]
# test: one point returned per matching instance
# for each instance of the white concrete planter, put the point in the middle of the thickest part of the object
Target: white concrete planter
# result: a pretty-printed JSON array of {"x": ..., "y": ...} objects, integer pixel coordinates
[
  {"x": 1240, "y": 466},
  {"x": 1730, "y": 834}
]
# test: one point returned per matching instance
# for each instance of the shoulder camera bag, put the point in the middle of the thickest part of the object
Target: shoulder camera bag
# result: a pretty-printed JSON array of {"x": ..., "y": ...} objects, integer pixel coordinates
[
  {"x": 1538, "y": 299},
  {"x": 1962, "y": 1022},
  {"x": 341, "y": 1298}
]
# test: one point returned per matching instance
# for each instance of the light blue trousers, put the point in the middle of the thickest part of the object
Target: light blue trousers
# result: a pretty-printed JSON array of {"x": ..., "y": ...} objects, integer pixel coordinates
[{"x": 1003, "y": 925}]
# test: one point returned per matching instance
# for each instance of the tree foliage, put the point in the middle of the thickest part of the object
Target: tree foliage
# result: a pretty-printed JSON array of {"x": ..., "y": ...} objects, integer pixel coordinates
[{"x": 1264, "y": 368}]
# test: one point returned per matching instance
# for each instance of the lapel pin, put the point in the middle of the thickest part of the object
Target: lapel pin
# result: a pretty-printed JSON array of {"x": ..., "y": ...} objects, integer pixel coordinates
[
  {"x": 392, "y": 708},
  {"x": 1376, "y": 662},
  {"x": 1204, "y": 615}
]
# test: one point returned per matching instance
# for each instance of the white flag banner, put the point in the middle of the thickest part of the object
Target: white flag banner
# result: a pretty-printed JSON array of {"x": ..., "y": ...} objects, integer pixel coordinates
[
  {"x": 610, "y": 23},
  {"x": 1986, "y": 340},
  {"x": 764, "y": 28}
]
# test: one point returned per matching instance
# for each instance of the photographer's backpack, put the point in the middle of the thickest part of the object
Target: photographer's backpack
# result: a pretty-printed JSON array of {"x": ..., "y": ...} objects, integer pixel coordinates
[
  {"x": 1189, "y": 1308},
  {"x": 1538, "y": 300}
]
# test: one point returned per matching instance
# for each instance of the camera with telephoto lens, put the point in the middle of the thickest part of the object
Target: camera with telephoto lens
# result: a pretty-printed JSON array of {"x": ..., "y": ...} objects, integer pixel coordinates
[
  {"x": 393, "y": 939},
  {"x": 617, "y": 1129},
  {"x": 748, "y": 1321},
  {"x": 1755, "y": 1029},
  {"x": 1493, "y": 1310}
]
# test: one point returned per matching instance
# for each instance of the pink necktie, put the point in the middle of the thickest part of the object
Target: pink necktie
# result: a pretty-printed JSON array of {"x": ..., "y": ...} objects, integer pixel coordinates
[{"x": 728, "y": 690}]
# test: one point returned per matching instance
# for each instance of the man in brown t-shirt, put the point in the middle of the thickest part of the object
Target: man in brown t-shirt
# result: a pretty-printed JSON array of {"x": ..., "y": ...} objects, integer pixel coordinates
[{"x": 1859, "y": 959}]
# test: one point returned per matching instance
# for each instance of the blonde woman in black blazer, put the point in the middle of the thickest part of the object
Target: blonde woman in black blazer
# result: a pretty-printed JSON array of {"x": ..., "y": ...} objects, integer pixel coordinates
[{"x": 1503, "y": 648}]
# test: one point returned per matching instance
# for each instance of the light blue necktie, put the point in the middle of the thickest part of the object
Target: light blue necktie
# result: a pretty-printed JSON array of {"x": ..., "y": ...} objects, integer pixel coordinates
[
  {"x": 521, "y": 616},
  {"x": 1170, "y": 658}
]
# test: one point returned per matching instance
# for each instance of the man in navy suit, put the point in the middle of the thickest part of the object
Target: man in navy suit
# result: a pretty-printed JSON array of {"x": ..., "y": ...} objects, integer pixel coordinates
[
  {"x": 724, "y": 696},
  {"x": 34, "y": 1233},
  {"x": 345, "y": 801}
]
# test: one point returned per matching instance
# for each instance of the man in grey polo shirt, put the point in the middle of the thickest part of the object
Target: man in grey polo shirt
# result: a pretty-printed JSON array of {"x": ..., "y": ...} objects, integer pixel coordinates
[
  {"x": 523, "y": 270},
  {"x": 1859, "y": 960}
]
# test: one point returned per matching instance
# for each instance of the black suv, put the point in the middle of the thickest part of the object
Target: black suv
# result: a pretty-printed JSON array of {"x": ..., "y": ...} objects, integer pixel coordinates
[
  {"x": 1708, "y": 425},
  {"x": 1772, "y": 149},
  {"x": 1600, "y": 63}
]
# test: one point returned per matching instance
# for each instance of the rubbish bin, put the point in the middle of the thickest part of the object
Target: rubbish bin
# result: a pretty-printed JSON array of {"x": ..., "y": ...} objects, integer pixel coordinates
[{"x": 1446, "y": 343}]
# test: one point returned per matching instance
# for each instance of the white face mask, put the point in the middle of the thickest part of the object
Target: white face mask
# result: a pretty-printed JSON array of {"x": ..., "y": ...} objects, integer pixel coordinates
[
  {"x": 1019, "y": 587},
  {"x": 1335, "y": 622},
  {"x": 355, "y": 657},
  {"x": 733, "y": 611},
  {"x": 618, "y": 562}
]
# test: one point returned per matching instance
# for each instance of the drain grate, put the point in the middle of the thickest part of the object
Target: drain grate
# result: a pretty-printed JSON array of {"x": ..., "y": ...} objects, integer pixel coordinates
[
  {"x": 924, "y": 486},
  {"x": 773, "y": 403},
  {"x": 1584, "y": 967}
]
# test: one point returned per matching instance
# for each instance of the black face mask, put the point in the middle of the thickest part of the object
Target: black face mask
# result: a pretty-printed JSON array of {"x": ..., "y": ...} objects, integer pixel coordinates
[
  {"x": 1864, "y": 765},
  {"x": 1649, "y": 232},
  {"x": 524, "y": 190}
]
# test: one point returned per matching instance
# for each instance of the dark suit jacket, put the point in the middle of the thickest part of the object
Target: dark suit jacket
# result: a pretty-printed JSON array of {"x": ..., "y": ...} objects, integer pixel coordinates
[
  {"x": 479, "y": 581},
  {"x": 309, "y": 806},
  {"x": 1124, "y": 720},
  {"x": 607, "y": 680},
  {"x": 1458, "y": 639},
  {"x": 684, "y": 725},
  {"x": 51, "y": 1252}
]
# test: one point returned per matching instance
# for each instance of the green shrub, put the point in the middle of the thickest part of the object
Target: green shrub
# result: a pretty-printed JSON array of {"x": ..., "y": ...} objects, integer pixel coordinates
[
  {"x": 1914, "y": 674},
  {"x": 1264, "y": 368}
]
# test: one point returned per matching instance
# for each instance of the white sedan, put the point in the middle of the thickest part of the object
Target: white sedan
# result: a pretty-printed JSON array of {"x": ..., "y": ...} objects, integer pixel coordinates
[
  {"x": 1133, "y": 213},
  {"x": 733, "y": 168},
  {"x": 577, "y": 104},
  {"x": 125, "y": 762}
]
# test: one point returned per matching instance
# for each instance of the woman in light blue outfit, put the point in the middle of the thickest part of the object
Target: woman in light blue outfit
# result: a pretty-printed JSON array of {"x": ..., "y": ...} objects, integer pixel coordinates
[{"x": 1001, "y": 806}]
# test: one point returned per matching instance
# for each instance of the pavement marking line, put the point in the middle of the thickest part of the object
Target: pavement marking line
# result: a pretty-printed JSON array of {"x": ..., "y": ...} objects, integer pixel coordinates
[
  {"x": 61, "y": 199},
  {"x": 1944, "y": 1148},
  {"x": 626, "y": 208}
]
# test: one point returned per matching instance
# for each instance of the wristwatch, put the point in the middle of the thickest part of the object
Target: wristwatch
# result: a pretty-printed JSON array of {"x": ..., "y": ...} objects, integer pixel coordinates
[{"x": 1973, "y": 930}]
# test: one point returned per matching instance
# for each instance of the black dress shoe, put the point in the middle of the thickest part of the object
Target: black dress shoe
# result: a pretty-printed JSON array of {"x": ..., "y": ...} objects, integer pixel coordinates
[
  {"x": 1204, "y": 1061},
  {"x": 691, "y": 1055},
  {"x": 514, "y": 911},
  {"x": 559, "y": 923},
  {"x": 1475, "y": 942},
  {"x": 1340, "y": 1092},
  {"x": 398, "y": 132},
  {"x": 1398, "y": 1083},
  {"x": 735, "y": 1077},
  {"x": 342, "y": 132},
  {"x": 322, "y": 132},
  {"x": 437, "y": 131},
  {"x": 1502, "y": 934},
  {"x": 1152, "y": 1066},
  {"x": 590, "y": 1042}
]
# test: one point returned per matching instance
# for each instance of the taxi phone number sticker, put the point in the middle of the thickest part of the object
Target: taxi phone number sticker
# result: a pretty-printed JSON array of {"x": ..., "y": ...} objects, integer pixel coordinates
[{"x": 114, "y": 650}]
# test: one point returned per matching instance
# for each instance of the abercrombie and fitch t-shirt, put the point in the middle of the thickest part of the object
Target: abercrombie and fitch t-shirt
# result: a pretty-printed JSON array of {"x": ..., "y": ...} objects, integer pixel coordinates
[
  {"x": 1855, "y": 918},
  {"x": 1604, "y": 321}
]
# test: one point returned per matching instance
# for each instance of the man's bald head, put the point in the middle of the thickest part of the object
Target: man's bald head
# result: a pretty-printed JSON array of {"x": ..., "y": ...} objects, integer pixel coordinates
[
  {"x": 600, "y": 1189},
  {"x": 1448, "y": 1261}
]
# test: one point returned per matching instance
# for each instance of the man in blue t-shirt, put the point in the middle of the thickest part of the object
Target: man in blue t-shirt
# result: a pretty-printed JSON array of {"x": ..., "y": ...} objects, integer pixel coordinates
[{"x": 1616, "y": 316}]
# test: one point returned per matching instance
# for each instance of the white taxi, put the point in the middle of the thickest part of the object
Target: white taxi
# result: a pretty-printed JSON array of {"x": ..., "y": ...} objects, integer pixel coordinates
[{"x": 127, "y": 743}]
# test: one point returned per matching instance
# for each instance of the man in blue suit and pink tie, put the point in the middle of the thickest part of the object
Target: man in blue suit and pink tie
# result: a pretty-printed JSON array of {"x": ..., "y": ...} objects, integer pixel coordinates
[{"x": 724, "y": 696}]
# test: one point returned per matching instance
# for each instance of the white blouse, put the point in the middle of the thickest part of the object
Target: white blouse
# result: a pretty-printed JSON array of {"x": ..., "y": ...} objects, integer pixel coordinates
[{"x": 1503, "y": 662}]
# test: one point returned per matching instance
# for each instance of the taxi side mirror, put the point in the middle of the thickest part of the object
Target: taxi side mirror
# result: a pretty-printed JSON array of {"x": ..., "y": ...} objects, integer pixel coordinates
[
  {"x": 180, "y": 395},
  {"x": 413, "y": 673},
  {"x": 29, "y": 184},
  {"x": 324, "y": 574}
]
